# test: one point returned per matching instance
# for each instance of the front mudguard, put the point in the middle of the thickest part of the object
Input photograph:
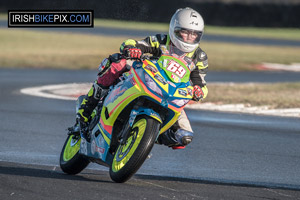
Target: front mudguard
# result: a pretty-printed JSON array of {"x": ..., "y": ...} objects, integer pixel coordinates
[
  {"x": 132, "y": 117},
  {"x": 144, "y": 111}
]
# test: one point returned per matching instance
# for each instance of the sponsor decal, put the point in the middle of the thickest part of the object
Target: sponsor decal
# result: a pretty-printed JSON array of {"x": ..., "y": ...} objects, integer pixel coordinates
[
  {"x": 175, "y": 78},
  {"x": 138, "y": 65},
  {"x": 187, "y": 59},
  {"x": 172, "y": 84},
  {"x": 202, "y": 55},
  {"x": 100, "y": 150},
  {"x": 83, "y": 146},
  {"x": 93, "y": 147},
  {"x": 182, "y": 92},
  {"x": 132, "y": 81},
  {"x": 194, "y": 23},
  {"x": 151, "y": 68},
  {"x": 193, "y": 14},
  {"x": 114, "y": 94},
  {"x": 190, "y": 91},
  {"x": 160, "y": 79}
]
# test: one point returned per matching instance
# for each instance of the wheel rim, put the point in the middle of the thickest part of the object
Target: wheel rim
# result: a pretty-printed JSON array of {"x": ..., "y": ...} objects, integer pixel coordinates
[
  {"x": 71, "y": 148},
  {"x": 125, "y": 151}
]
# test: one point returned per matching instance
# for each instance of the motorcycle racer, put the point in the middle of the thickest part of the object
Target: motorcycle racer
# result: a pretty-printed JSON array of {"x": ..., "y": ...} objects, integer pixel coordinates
[{"x": 185, "y": 33}]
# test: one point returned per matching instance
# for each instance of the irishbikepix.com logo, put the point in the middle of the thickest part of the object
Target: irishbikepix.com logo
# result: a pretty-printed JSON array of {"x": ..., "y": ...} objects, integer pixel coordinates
[{"x": 17, "y": 18}]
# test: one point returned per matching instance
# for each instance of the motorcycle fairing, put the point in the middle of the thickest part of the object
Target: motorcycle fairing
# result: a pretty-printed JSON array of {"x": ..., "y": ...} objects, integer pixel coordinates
[
  {"x": 172, "y": 90},
  {"x": 98, "y": 147},
  {"x": 132, "y": 86}
]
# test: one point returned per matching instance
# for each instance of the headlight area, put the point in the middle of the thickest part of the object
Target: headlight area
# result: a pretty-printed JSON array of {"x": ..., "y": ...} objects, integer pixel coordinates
[
  {"x": 152, "y": 85},
  {"x": 180, "y": 102}
]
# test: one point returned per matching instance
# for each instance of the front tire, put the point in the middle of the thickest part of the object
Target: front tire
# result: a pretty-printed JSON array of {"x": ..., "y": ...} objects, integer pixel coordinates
[
  {"x": 130, "y": 156},
  {"x": 71, "y": 162}
]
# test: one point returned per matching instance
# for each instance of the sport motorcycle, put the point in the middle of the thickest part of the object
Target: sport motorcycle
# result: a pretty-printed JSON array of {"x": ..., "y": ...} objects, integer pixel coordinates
[{"x": 125, "y": 125}]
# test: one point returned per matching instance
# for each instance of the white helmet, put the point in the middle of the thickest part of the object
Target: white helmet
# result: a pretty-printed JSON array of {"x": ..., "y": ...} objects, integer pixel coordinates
[{"x": 186, "y": 19}]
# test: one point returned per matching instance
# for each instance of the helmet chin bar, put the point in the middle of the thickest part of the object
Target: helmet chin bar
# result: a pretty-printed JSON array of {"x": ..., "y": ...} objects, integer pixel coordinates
[{"x": 182, "y": 46}]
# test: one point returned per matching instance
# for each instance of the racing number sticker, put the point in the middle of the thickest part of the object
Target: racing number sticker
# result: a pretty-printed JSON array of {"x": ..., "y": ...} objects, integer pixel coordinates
[{"x": 176, "y": 68}]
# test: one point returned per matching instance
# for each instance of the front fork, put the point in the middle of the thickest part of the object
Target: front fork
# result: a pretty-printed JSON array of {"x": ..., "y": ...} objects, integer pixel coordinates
[{"x": 134, "y": 113}]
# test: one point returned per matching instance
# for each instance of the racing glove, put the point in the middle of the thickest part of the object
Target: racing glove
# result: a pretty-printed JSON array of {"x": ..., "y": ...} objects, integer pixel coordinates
[
  {"x": 199, "y": 93},
  {"x": 153, "y": 50},
  {"x": 132, "y": 52}
]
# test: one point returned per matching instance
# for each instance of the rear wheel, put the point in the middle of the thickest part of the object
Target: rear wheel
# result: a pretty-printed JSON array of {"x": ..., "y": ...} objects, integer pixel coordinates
[
  {"x": 130, "y": 156},
  {"x": 71, "y": 162}
]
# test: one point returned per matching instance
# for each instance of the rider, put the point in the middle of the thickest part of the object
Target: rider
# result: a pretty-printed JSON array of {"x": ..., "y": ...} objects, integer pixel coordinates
[{"x": 185, "y": 32}]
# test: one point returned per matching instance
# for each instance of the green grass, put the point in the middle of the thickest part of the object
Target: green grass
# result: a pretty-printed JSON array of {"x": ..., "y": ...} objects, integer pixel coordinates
[
  {"x": 22, "y": 48},
  {"x": 276, "y": 33},
  {"x": 234, "y": 57},
  {"x": 26, "y": 48},
  {"x": 276, "y": 95}
]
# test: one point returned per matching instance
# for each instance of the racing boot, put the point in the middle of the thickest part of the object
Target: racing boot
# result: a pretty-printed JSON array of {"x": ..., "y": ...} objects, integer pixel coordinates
[
  {"x": 176, "y": 139},
  {"x": 89, "y": 103}
]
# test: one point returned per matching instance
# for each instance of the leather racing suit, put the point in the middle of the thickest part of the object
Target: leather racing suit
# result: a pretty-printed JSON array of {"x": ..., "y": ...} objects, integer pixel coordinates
[{"x": 181, "y": 133}]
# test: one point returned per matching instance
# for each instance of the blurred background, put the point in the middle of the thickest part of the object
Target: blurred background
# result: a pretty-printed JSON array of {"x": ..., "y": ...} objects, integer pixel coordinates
[
  {"x": 259, "y": 13},
  {"x": 253, "y": 49},
  {"x": 240, "y": 35}
]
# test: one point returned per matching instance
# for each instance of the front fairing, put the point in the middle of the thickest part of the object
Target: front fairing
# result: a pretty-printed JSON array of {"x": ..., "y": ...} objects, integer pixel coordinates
[
  {"x": 152, "y": 82},
  {"x": 172, "y": 80},
  {"x": 161, "y": 87}
]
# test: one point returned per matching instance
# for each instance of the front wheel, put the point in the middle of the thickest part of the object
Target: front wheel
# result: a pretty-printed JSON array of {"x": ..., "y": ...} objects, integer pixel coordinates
[
  {"x": 130, "y": 156},
  {"x": 71, "y": 162}
]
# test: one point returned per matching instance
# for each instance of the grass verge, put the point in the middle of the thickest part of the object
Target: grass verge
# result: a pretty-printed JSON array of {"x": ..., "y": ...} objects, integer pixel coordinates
[
  {"x": 20, "y": 48},
  {"x": 24, "y": 48},
  {"x": 236, "y": 57},
  {"x": 276, "y": 33},
  {"x": 278, "y": 95}
]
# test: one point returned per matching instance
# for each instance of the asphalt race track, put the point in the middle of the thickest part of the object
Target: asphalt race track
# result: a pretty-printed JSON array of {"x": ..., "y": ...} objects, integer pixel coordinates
[{"x": 232, "y": 156}]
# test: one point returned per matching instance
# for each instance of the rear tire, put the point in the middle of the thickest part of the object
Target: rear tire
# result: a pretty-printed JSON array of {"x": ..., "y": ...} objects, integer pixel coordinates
[
  {"x": 71, "y": 162},
  {"x": 130, "y": 156}
]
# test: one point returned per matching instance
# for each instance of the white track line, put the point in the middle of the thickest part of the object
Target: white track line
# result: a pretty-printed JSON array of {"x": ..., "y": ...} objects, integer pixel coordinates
[
  {"x": 72, "y": 90},
  {"x": 242, "y": 108},
  {"x": 62, "y": 91},
  {"x": 295, "y": 67}
]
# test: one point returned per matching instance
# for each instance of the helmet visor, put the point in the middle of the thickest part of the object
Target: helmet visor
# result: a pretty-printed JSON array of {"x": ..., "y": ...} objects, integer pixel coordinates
[{"x": 188, "y": 36}]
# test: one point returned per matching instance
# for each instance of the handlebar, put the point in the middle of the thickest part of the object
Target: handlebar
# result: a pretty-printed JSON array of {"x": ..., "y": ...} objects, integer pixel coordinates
[
  {"x": 143, "y": 57},
  {"x": 156, "y": 53}
]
